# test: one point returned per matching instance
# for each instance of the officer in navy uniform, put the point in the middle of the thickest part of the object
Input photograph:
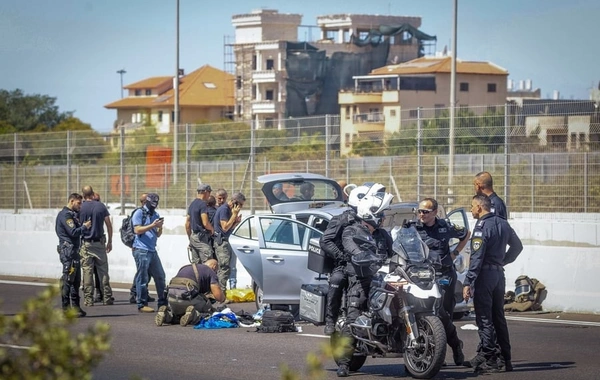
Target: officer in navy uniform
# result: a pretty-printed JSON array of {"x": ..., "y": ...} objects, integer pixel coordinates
[
  {"x": 484, "y": 184},
  {"x": 485, "y": 282},
  {"x": 69, "y": 232},
  {"x": 436, "y": 233}
]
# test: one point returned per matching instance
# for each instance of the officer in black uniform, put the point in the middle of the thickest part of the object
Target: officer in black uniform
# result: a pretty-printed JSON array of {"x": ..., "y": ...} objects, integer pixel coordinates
[
  {"x": 484, "y": 184},
  {"x": 331, "y": 244},
  {"x": 363, "y": 239},
  {"x": 436, "y": 233},
  {"x": 491, "y": 235},
  {"x": 69, "y": 232}
]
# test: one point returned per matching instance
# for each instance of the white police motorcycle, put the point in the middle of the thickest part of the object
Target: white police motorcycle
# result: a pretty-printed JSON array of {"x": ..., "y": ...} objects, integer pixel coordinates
[{"x": 401, "y": 320}]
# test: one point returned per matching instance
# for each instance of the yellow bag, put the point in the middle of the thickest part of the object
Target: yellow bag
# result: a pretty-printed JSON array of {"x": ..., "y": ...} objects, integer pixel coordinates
[{"x": 240, "y": 295}]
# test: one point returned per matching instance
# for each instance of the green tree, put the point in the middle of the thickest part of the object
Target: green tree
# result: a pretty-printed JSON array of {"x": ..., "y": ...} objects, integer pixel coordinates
[
  {"x": 52, "y": 351},
  {"x": 30, "y": 112}
]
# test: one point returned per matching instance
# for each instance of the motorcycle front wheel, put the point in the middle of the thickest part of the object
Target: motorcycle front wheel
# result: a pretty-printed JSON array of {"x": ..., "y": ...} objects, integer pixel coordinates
[
  {"x": 425, "y": 360},
  {"x": 356, "y": 362}
]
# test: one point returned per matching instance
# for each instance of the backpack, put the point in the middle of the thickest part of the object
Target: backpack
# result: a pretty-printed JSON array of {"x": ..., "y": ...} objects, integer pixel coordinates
[
  {"x": 277, "y": 321},
  {"x": 126, "y": 230}
]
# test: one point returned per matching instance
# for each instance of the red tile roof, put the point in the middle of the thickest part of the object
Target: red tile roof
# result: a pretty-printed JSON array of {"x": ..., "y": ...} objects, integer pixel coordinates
[{"x": 431, "y": 65}]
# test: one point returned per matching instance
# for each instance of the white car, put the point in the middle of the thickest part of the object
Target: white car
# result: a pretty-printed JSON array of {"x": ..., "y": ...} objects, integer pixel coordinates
[{"x": 273, "y": 248}]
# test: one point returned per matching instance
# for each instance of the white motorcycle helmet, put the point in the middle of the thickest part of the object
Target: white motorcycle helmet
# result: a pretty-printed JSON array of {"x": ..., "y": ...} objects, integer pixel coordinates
[
  {"x": 371, "y": 206},
  {"x": 356, "y": 193}
]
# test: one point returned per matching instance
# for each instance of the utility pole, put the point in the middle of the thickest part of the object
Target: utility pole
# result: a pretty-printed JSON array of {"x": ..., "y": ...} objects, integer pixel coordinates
[
  {"x": 452, "y": 106},
  {"x": 176, "y": 105},
  {"x": 121, "y": 72}
]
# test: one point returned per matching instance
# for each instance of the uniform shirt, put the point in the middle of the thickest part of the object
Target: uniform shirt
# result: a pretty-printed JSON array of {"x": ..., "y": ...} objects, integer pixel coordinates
[
  {"x": 96, "y": 212},
  {"x": 223, "y": 213},
  {"x": 331, "y": 241},
  {"x": 67, "y": 227},
  {"x": 498, "y": 206},
  {"x": 437, "y": 238},
  {"x": 206, "y": 276},
  {"x": 197, "y": 207},
  {"x": 148, "y": 239},
  {"x": 490, "y": 237}
]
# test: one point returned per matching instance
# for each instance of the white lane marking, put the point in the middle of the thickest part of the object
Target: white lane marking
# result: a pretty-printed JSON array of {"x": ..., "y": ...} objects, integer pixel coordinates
[
  {"x": 314, "y": 335},
  {"x": 554, "y": 321},
  {"x": 15, "y": 346}
]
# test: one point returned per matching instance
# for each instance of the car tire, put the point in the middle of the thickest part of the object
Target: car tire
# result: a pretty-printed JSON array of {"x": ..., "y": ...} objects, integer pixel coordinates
[{"x": 258, "y": 296}]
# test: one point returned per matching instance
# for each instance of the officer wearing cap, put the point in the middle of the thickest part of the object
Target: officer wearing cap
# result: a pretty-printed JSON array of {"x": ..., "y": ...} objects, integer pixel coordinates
[
  {"x": 198, "y": 226},
  {"x": 148, "y": 227},
  {"x": 69, "y": 231},
  {"x": 278, "y": 192},
  {"x": 491, "y": 235},
  {"x": 436, "y": 233}
]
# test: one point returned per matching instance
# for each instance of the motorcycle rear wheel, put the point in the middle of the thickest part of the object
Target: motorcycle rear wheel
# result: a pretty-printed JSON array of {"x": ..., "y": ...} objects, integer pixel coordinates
[
  {"x": 426, "y": 360},
  {"x": 356, "y": 362}
]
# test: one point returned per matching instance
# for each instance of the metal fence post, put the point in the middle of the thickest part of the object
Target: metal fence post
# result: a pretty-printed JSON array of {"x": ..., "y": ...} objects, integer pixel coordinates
[
  {"x": 435, "y": 176},
  {"x": 585, "y": 182},
  {"x": 506, "y": 160},
  {"x": 187, "y": 162},
  {"x": 419, "y": 152},
  {"x": 68, "y": 163},
  {"x": 15, "y": 174},
  {"x": 252, "y": 142},
  {"x": 122, "y": 169},
  {"x": 532, "y": 191},
  {"x": 327, "y": 135}
]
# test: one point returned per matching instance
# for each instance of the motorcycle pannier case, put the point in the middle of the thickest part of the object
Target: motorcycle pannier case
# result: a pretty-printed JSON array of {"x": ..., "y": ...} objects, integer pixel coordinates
[
  {"x": 313, "y": 299},
  {"x": 317, "y": 260}
]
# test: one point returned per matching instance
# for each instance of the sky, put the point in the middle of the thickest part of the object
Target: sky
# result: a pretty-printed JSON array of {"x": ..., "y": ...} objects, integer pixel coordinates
[{"x": 72, "y": 49}]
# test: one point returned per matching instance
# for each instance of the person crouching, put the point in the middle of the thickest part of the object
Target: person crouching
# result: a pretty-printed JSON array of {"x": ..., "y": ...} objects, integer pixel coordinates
[{"x": 190, "y": 293}]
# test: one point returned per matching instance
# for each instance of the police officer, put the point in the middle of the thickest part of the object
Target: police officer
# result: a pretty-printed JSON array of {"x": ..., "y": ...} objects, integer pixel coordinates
[
  {"x": 436, "y": 233},
  {"x": 198, "y": 226},
  {"x": 331, "y": 244},
  {"x": 491, "y": 235},
  {"x": 364, "y": 239},
  {"x": 484, "y": 184},
  {"x": 69, "y": 231}
]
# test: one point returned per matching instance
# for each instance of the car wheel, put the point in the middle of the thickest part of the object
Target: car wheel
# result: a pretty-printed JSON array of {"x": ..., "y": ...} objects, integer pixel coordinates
[{"x": 258, "y": 296}]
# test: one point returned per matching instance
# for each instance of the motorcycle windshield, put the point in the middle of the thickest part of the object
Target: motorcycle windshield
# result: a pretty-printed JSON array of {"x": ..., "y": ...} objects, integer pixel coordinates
[{"x": 408, "y": 244}]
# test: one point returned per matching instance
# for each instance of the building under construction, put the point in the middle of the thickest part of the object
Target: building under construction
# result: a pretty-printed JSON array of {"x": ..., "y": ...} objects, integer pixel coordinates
[{"x": 277, "y": 76}]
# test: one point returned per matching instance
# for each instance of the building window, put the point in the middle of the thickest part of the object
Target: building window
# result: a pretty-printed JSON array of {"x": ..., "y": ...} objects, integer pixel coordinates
[
  {"x": 491, "y": 87},
  {"x": 464, "y": 87},
  {"x": 354, "y": 110},
  {"x": 138, "y": 92},
  {"x": 413, "y": 114},
  {"x": 239, "y": 110},
  {"x": 347, "y": 112},
  {"x": 269, "y": 94},
  {"x": 148, "y": 92},
  {"x": 172, "y": 116},
  {"x": 392, "y": 113},
  {"x": 160, "y": 115},
  {"x": 417, "y": 83},
  {"x": 254, "y": 59},
  {"x": 238, "y": 82},
  {"x": 270, "y": 64}
]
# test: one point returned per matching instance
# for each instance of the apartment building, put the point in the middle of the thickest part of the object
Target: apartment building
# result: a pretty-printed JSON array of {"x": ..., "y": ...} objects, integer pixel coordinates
[
  {"x": 279, "y": 75},
  {"x": 205, "y": 94},
  {"x": 383, "y": 100}
]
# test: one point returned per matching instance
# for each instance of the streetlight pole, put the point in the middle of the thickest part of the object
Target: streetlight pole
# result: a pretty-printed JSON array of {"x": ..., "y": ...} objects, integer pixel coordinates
[
  {"x": 176, "y": 105},
  {"x": 121, "y": 72},
  {"x": 452, "y": 106}
]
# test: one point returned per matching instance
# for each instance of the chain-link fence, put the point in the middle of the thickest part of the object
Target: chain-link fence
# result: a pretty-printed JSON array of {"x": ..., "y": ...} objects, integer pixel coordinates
[{"x": 544, "y": 158}]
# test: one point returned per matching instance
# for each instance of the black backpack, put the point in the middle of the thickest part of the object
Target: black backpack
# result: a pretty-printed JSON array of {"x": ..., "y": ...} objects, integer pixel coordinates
[
  {"x": 277, "y": 321},
  {"x": 126, "y": 230}
]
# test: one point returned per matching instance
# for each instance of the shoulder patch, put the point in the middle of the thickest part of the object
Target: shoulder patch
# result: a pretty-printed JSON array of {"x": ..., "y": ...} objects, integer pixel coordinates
[
  {"x": 70, "y": 223},
  {"x": 476, "y": 243},
  {"x": 478, "y": 233}
]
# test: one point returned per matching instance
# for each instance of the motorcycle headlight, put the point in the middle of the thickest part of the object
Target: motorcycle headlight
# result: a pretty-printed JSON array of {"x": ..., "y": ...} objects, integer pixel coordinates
[{"x": 421, "y": 274}]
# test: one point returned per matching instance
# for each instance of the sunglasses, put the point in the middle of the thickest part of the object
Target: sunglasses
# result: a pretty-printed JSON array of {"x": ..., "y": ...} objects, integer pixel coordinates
[{"x": 424, "y": 211}]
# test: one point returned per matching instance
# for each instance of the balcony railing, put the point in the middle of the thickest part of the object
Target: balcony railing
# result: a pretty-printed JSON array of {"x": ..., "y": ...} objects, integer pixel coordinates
[{"x": 369, "y": 118}]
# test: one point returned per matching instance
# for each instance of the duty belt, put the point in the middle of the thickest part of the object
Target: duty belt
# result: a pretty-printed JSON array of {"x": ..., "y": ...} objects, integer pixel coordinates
[
  {"x": 492, "y": 267},
  {"x": 92, "y": 240}
]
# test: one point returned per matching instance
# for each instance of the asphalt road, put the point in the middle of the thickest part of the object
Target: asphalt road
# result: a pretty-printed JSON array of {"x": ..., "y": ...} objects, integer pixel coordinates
[{"x": 545, "y": 346}]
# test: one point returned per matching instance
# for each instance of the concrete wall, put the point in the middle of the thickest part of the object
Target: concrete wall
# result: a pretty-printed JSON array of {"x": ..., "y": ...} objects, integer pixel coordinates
[{"x": 561, "y": 250}]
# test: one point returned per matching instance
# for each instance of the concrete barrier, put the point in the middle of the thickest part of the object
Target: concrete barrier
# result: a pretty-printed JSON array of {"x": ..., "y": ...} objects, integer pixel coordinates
[{"x": 560, "y": 250}]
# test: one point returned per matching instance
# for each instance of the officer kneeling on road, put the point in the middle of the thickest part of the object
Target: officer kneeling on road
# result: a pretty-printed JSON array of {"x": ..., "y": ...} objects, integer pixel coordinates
[{"x": 190, "y": 293}]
